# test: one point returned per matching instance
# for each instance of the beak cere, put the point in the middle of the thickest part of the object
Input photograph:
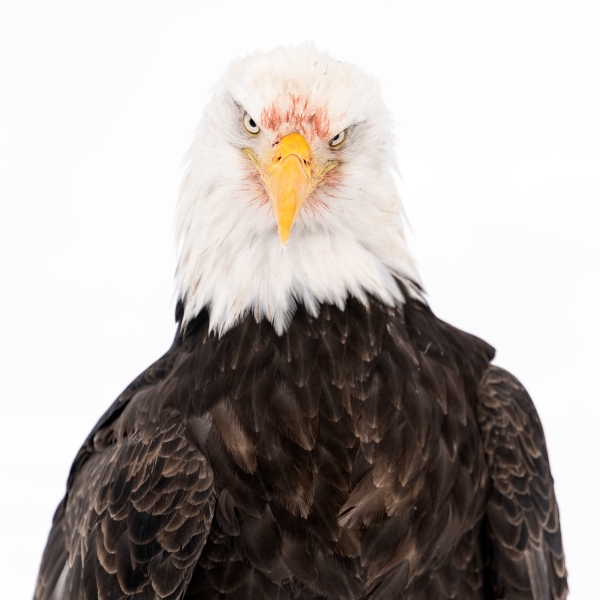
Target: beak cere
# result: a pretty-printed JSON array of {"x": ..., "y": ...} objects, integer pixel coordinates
[{"x": 288, "y": 180}]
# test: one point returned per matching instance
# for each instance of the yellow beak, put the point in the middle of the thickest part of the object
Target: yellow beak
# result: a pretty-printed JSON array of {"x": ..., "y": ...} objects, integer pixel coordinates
[{"x": 289, "y": 179}]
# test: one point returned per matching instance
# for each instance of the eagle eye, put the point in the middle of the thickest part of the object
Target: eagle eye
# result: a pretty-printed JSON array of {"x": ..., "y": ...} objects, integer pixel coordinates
[
  {"x": 250, "y": 124},
  {"x": 338, "y": 140}
]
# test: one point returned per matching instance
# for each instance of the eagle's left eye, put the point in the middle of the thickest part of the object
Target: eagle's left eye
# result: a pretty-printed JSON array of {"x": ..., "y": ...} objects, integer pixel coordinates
[
  {"x": 250, "y": 124},
  {"x": 338, "y": 140}
]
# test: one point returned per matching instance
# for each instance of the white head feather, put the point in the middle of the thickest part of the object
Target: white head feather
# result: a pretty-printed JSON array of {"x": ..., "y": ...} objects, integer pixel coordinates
[{"x": 348, "y": 238}]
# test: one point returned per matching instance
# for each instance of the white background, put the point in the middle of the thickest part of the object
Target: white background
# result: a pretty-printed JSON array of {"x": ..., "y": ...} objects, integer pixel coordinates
[{"x": 498, "y": 141}]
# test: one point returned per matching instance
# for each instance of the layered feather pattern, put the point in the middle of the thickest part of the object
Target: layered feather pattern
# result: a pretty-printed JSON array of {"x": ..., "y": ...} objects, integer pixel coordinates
[{"x": 366, "y": 453}]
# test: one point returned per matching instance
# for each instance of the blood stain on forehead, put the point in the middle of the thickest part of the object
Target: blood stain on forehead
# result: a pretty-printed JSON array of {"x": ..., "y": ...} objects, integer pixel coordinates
[{"x": 298, "y": 115}]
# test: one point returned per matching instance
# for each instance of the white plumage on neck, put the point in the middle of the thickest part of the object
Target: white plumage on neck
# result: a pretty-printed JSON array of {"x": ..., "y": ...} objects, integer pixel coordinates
[{"x": 348, "y": 238}]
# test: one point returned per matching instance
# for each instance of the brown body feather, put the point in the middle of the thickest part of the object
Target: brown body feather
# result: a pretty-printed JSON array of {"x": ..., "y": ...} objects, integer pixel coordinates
[{"x": 366, "y": 453}]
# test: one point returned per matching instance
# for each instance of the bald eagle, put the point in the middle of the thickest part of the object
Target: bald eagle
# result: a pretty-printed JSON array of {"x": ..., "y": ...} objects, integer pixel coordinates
[{"x": 314, "y": 431}]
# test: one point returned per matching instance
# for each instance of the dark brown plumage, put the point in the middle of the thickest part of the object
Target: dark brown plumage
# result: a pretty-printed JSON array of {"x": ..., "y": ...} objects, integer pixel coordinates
[{"x": 370, "y": 452}]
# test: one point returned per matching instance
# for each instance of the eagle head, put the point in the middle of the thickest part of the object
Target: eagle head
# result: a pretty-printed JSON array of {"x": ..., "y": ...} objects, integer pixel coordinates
[{"x": 293, "y": 152}]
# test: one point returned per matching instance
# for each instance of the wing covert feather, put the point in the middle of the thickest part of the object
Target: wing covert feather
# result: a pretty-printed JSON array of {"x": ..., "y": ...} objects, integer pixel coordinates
[
  {"x": 522, "y": 539},
  {"x": 136, "y": 518}
]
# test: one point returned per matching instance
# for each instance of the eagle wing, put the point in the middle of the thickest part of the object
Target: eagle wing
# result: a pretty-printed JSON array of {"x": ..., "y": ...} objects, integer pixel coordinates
[
  {"x": 139, "y": 504},
  {"x": 522, "y": 540}
]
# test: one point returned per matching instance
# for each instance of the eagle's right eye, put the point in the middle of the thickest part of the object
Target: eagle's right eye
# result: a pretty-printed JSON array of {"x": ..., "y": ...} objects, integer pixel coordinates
[{"x": 250, "y": 124}]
